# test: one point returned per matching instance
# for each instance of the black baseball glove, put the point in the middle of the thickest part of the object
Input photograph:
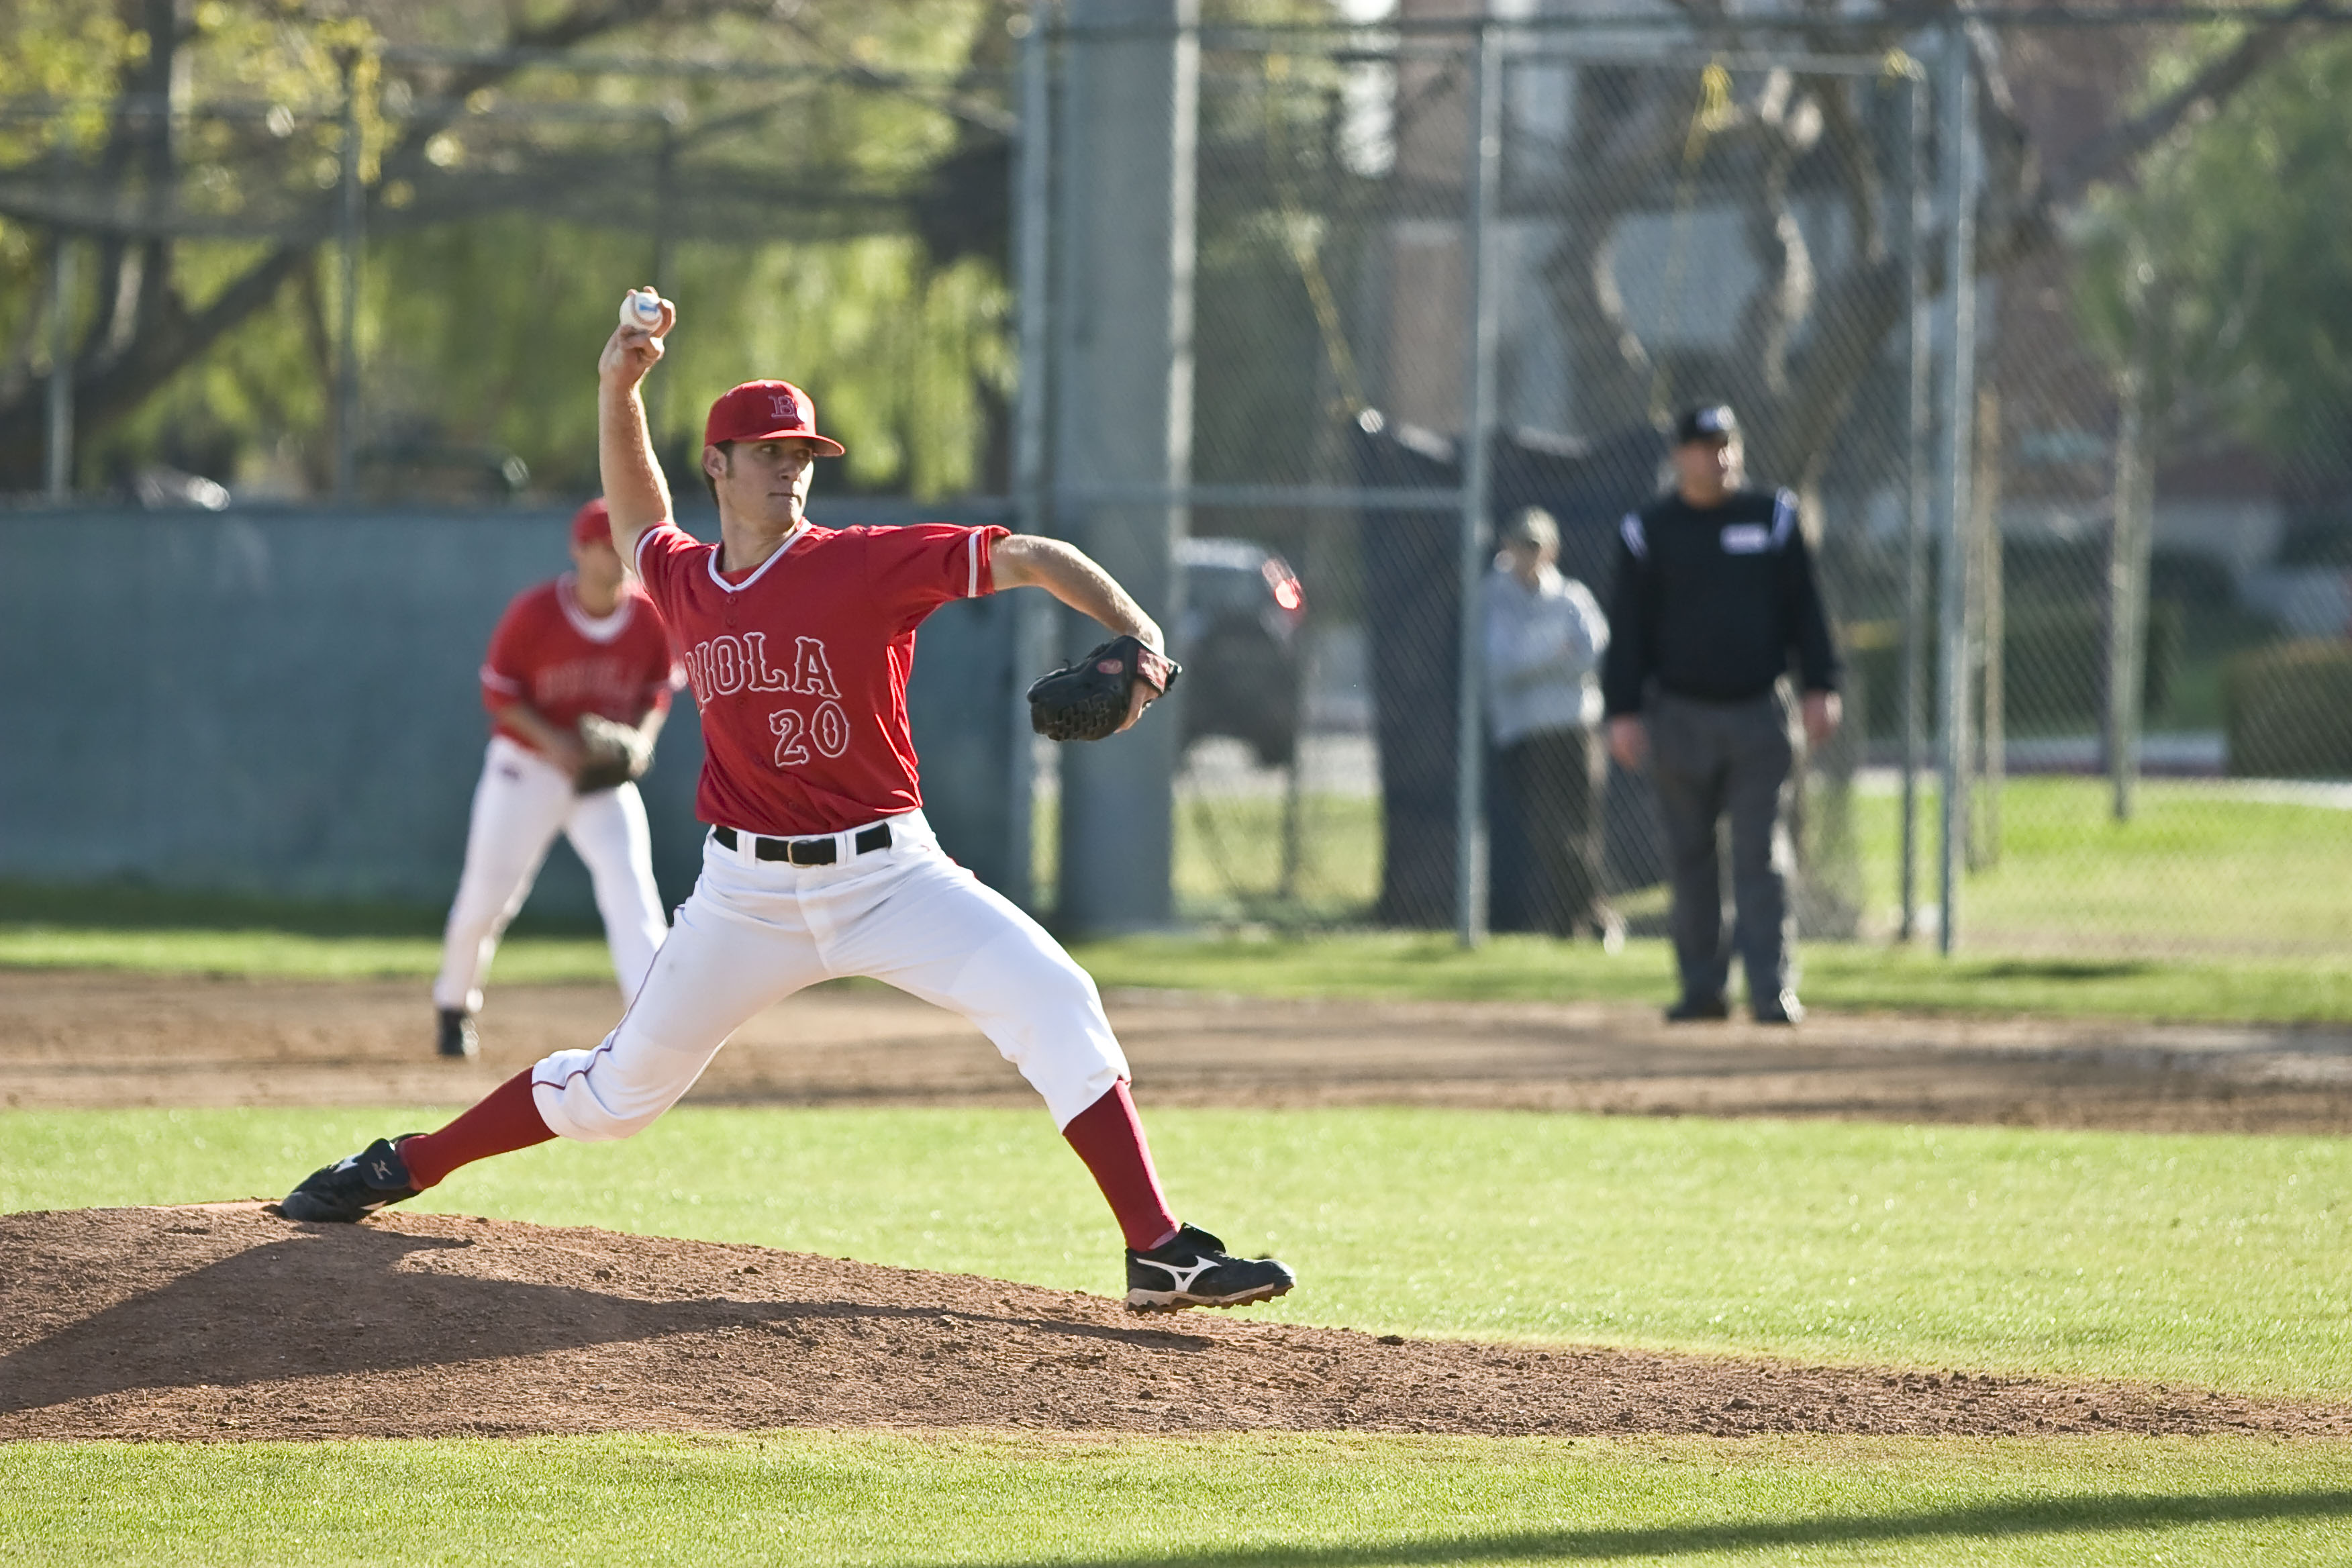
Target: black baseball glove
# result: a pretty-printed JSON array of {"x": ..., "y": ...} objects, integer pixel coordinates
[
  {"x": 616, "y": 755},
  {"x": 1090, "y": 700}
]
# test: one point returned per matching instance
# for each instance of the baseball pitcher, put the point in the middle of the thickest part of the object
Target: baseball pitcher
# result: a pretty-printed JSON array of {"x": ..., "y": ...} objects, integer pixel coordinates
[{"x": 798, "y": 640}]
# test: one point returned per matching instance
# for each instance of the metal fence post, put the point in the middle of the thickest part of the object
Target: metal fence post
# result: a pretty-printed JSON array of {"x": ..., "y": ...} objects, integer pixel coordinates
[
  {"x": 2128, "y": 542},
  {"x": 1469, "y": 735},
  {"x": 1919, "y": 351},
  {"x": 1958, "y": 459}
]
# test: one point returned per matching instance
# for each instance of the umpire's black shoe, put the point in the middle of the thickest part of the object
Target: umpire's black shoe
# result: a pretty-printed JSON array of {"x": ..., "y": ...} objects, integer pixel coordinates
[
  {"x": 350, "y": 1190},
  {"x": 1195, "y": 1270},
  {"x": 1698, "y": 1010},
  {"x": 457, "y": 1037},
  {"x": 1782, "y": 1007}
]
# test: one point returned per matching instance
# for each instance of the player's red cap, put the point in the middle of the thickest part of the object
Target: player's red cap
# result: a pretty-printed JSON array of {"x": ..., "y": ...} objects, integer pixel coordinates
[
  {"x": 592, "y": 524},
  {"x": 766, "y": 411}
]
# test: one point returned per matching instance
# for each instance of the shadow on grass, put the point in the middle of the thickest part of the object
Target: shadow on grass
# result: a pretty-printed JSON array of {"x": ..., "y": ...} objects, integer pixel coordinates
[
  {"x": 1983, "y": 1522},
  {"x": 2065, "y": 969}
]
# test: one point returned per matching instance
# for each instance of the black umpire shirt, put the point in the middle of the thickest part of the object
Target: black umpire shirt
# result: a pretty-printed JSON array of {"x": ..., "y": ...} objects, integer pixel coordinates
[{"x": 1710, "y": 603}]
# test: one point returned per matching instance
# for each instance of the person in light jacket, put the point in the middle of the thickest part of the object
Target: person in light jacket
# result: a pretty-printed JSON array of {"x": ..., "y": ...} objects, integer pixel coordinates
[{"x": 1545, "y": 638}]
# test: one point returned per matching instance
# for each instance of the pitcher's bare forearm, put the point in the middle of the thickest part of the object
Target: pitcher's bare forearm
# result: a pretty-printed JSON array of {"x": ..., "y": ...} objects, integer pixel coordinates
[
  {"x": 635, "y": 491},
  {"x": 1071, "y": 575}
]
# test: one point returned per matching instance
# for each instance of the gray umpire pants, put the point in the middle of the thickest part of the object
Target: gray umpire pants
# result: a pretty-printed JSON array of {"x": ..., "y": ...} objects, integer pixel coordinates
[{"x": 1713, "y": 760}]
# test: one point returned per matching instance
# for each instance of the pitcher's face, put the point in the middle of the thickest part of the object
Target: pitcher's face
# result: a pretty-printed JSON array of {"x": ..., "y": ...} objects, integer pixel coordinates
[{"x": 767, "y": 481}]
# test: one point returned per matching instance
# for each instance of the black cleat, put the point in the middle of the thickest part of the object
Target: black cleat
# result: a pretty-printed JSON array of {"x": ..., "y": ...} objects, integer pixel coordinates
[
  {"x": 457, "y": 1037},
  {"x": 350, "y": 1190},
  {"x": 1698, "y": 1010},
  {"x": 1195, "y": 1270},
  {"x": 1781, "y": 1008}
]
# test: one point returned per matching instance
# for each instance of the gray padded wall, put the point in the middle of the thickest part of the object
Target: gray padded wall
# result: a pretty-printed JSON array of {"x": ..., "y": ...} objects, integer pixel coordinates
[{"x": 285, "y": 703}]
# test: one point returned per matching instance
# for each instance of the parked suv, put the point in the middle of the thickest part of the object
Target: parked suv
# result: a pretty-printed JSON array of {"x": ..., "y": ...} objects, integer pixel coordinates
[{"x": 1239, "y": 641}]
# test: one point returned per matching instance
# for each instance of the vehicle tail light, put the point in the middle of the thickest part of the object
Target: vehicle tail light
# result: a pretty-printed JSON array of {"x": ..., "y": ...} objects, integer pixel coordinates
[{"x": 1286, "y": 591}]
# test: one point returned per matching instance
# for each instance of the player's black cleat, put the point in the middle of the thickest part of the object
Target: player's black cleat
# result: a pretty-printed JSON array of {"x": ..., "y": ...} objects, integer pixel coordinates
[
  {"x": 1698, "y": 1010},
  {"x": 1781, "y": 1008},
  {"x": 350, "y": 1190},
  {"x": 1195, "y": 1270},
  {"x": 457, "y": 1037}
]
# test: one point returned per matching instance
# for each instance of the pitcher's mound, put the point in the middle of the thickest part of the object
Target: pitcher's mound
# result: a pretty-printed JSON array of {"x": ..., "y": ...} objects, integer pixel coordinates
[{"x": 222, "y": 1321}]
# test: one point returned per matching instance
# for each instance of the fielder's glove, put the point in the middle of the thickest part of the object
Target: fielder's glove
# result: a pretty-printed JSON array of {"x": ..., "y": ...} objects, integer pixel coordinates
[
  {"x": 616, "y": 753},
  {"x": 1090, "y": 698}
]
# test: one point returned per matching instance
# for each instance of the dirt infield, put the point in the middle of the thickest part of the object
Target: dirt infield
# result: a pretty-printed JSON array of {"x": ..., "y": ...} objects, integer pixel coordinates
[
  {"x": 110, "y": 1040},
  {"x": 223, "y": 1322}
]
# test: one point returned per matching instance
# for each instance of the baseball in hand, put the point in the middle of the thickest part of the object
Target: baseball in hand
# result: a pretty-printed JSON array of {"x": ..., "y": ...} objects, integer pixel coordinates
[{"x": 640, "y": 308}]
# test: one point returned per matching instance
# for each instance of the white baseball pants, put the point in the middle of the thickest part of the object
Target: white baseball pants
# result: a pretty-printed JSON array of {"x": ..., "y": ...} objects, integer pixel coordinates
[
  {"x": 521, "y": 804},
  {"x": 754, "y": 931}
]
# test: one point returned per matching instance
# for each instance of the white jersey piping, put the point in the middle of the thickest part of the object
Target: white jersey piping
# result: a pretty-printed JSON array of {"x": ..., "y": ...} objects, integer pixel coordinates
[
  {"x": 782, "y": 545},
  {"x": 596, "y": 629}
]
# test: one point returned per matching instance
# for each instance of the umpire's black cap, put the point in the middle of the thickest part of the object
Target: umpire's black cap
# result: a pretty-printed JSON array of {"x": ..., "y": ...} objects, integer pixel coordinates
[{"x": 1706, "y": 422}]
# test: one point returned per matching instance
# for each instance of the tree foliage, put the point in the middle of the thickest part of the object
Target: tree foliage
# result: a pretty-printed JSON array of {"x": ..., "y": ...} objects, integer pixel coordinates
[
  {"x": 2228, "y": 267},
  {"x": 823, "y": 191}
]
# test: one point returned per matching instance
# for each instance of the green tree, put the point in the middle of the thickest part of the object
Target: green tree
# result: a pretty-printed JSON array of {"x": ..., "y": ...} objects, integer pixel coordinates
[
  {"x": 2229, "y": 265},
  {"x": 828, "y": 197}
]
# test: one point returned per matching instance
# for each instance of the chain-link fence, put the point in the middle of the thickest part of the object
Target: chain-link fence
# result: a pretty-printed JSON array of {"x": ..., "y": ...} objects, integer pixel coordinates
[
  {"x": 1397, "y": 344},
  {"x": 1420, "y": 276}
]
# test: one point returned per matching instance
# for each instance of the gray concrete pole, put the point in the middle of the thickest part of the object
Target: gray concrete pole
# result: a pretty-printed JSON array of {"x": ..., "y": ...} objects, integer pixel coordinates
[
  {"x": 1959, "y": 419},
  {"x": 1484, "y": 174},
  {"x": 1122, "y": 412},
  {"x": 1918, "y": 460}
]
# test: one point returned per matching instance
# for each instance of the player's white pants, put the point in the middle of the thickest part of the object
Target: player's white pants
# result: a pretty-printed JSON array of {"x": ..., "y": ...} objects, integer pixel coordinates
[
  {"x": 521, "y": 804},
  {"x": 757, "y": 931}
]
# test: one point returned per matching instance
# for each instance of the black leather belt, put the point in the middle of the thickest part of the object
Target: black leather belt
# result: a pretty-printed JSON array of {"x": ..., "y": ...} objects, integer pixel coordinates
[{"x": 805, "y": 851}]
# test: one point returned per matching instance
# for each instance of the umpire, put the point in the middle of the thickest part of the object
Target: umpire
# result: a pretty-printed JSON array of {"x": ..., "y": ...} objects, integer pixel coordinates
[{"x": 1715, "y": 592}]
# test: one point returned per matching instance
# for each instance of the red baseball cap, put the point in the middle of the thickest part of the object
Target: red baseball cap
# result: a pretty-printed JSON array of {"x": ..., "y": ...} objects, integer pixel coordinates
[
  {"x": 592, "y": 524},
  {"x": 766, "y": 411}
]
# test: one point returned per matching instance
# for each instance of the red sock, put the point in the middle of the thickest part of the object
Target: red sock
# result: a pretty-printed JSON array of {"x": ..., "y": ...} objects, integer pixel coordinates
[
  {"x": 1109, "y": 1136},
  {"x": 502, "y": 1120}
]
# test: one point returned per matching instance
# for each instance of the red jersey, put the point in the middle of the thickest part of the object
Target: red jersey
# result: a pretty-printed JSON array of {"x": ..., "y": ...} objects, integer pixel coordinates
[
  {"x": 800, "y": 668},
  {"x": 555, "y": 655}
]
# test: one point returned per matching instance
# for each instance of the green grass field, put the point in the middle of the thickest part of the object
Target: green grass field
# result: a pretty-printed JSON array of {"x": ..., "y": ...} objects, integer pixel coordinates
[
  {"x": 1329, "y": 1501},
  {"x": 1403, "y": 965},
  {"x": 2209, "y": 906},
  {"x": 2213, "y": 1261},
  {"x": 2199, "y": 868},
  {"x": 2203, "y": 866}
]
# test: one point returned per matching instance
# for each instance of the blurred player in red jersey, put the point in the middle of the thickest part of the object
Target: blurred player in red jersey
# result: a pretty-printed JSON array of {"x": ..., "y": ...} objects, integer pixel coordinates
[
  {"x": 589, "y": 642},
  {"x": 798, "y": 640}
]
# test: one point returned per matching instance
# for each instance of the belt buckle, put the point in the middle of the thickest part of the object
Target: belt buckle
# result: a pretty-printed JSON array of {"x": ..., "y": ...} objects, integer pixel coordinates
[{"x": 811, "y": 851}]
